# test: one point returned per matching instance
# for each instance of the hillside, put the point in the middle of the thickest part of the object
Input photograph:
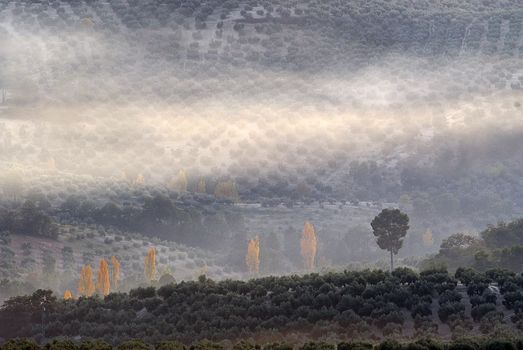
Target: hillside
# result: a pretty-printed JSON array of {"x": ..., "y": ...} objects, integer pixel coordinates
[
  {"x": 308, "y": 101},
  {"x": 261, "y": 175},
  {"x": 331, "y": 307},
  {"x": 32, "y": 262}
]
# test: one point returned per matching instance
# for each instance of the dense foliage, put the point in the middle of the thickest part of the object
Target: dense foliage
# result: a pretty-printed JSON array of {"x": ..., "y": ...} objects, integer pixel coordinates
[
  {"x": 28, "y": 219},
  {"x": 366, "y": 304},
  {"x": 192, "y": 221},
  {"x": 136, "y": 344},
  {"x": 498, "y": 246}
]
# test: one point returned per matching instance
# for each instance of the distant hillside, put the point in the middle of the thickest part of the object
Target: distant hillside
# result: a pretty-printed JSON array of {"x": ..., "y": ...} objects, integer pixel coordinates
[
  {"x": 309, "y": 100},
  {"x": 31, "y": 262},
  {"x": 206, "y": 123},
  {"x": 285, "y": 34}
]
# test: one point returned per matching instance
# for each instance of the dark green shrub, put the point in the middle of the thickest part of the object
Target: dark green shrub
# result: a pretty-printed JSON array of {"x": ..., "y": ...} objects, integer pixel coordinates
[
  {"x": 142, "y": 293},
  {"x": 479, "y": 311},
  {"x": 518, "y": 344},
  {"x": 133, "y": 345},
  {"x": 499, "y": 345},
  {"x": 463, "y": 344},
  {"x": 430, "y": 344},
  {"x": 348, "y": 318},
  {"x": 511, "y": 298},
  {"x": 425, "y": 326},
  {"x": 355, "y": 346},
  {"x": 206, "y": 345},
  {"x": 448, "y": 309},
  {"x": 405, "y": 275},
  {"x": 278, "y": 346},
  {"x": 392, "y": 317},
  {"x": 20, "y": 344},
  {"x": 465, "y": 275},
  {"x": 243, "y": 345},
  {"x": 476, "y": 288},
  {"x": 413, "y": 346},
  {"x": 94, "y": 345},
  {"x": 169, "y": 345},
  {"x": 392, "y": 329},
  {"x": 60, "y": 345},
  {"x": 317, "y": 346},
  {"x": 389, "y": 345},
  {"x": 449, "y": 296},
  {"x": 422, "y": 309}
]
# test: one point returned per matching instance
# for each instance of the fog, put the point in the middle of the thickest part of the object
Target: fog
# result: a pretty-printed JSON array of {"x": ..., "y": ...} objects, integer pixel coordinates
[{"x": 103, "y": 110}]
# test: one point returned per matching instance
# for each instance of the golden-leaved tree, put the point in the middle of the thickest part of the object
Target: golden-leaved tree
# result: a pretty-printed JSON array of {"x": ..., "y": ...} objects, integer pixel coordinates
[
  {"x": 68, "y": 295},
  {"x": 116, "y": 272},
  {"x": 428, "y": 238},
  {"x": 103, "y": 283},
  {"x": 86, "y": 285},
  {"x": 308, "y": 244},
  {"x": 150, "y": 265},
  {"x": 252, "y": 258}
]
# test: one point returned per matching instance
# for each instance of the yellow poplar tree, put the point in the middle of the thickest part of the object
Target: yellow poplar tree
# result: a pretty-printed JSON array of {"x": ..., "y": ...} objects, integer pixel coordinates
[
  {"x": 81, "y": 282},
  {"x": 116, "y": 272},
  {"x": 68, "y": 295},
  {"x": 103, "y": 283},
  {"x": 252, "y": 259},
  {"x": 308, "y": 244},
  {"x": 86, "y": 285},
  {"x": 150, "y": 265},
  {"x": 428, "y": 238}
]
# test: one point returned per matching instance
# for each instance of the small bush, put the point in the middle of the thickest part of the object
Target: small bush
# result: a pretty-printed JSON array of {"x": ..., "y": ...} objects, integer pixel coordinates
[
  {"x": 20, "y": 344},
  {"x": 133, "y": 345},
  {"x": 355, "y": 346},
  {"x": 169, "y": 345},
  {"x": 206, "y": 345}
]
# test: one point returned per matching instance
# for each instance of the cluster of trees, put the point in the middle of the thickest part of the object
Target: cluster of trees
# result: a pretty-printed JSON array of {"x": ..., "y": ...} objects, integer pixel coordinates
[
  {"x": 426, "y": 28},
  {"x": 351, "y": 17},
  {"x": 28, "y": 219},
  {"x": 86, "y": 285},
  {"x": 349, "y": 303},
  {"x": 308, "y": 248},
  {"x": 498, "y": 246},
  {"x": 191, "y": 222},
  {"x": 108, "y": 276},
  {"x": 136, "y": 344}
]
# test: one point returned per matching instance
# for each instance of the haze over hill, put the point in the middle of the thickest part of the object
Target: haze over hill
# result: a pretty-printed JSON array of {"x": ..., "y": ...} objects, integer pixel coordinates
[
  {"x": 206, "y": 123},
  {"x": 264, "y": 175}
]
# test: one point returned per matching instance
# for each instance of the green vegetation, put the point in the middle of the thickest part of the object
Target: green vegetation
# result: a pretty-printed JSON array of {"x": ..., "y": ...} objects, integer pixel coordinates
[
  {"x": 390, "y": 227},
  {"x": 28, "y": 219},
  {"x": 185, "y": 127},
  {"x": 362, "y": 305},
  {"x": 498, "y": 246},
  {"x": 425, "y": 343}
]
